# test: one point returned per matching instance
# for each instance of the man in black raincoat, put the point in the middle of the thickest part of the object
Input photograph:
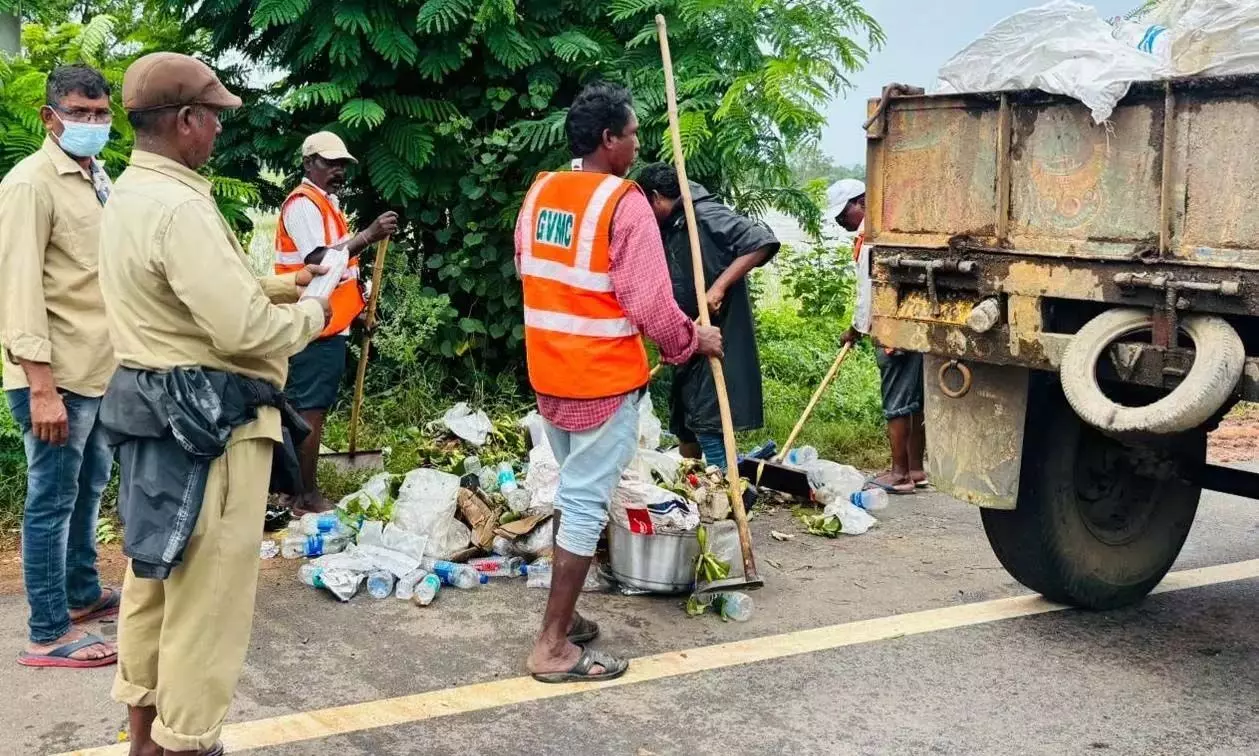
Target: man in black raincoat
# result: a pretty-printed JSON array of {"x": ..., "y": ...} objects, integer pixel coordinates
[{"x": 731, "y": 246}]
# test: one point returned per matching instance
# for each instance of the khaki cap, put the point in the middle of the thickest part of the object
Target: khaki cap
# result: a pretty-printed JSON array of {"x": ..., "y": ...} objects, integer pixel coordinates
[
  {"x": 168, "y": 80},
  {"x": 326, "y": 145}
]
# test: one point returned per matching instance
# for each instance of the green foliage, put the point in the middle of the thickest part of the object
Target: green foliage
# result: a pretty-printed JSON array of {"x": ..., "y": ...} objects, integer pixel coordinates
[
  {"x": 115, "y": 33},
  {"x": 454, "y": 106},
  {"x": 821, "y": 279},
  {"x": 809, "y": 164}
]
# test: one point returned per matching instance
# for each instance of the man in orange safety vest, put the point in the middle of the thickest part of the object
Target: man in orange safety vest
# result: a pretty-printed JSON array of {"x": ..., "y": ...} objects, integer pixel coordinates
[{"x": 311, "y": 222}]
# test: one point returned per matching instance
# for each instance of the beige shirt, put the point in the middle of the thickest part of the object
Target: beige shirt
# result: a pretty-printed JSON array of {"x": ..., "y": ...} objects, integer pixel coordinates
[
  {"x": 178, "y": 292},
  {"x": 51, "y": 309}
]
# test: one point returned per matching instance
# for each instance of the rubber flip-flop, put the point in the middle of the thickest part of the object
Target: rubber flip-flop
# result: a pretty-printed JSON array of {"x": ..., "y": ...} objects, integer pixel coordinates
[
  {"x": 105, "y": 609},
  {"x": 580, "y": 672},
  {"x": 891, "y": 490},
  {"x": 921, "y": 484},
  {"x": 61, "y": 656},
  {"x": 216, "y": 750},
  {"x": 584, "y": 631}
]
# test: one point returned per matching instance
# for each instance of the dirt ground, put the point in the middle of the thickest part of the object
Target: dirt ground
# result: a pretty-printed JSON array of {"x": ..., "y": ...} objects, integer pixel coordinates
[{"x": 1237, "y": 439}]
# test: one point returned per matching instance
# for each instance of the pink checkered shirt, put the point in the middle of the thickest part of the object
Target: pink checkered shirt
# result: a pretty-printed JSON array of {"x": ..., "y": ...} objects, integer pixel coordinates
[{"x": 640, "y": 279}]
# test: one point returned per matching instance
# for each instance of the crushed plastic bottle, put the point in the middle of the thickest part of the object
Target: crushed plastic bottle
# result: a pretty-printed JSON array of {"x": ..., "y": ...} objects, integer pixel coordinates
[
  {"x": 269, "y": 549},
  {"x": 734, "y": 607},
  {"x": 405, "y": 589},
  {"x": 497, "y": 567},
  {"x": 315, "y": 524},
  {"x": 426, "y": 590},
  {"x": 871, "y": 500},
  {"x": 801, "y": 457},
  {"x": 507, "y": 479},
  {"x": 539, "y": 574},
  {"x": 341, "y": 583},
  {"x": 456, "y": 575},
  {"x": 311, "y": 575},
  {"x": 298, "y": 546},
  {"x": 380, "y": 584}
]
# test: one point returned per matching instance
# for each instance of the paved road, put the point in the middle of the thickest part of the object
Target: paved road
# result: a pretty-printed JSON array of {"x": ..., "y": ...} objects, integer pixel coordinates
[{"x": 1175, "y": 675}]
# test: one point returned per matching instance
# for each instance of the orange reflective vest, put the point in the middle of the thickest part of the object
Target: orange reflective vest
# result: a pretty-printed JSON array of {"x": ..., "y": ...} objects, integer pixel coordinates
[
  {"x": 578, "y": 341},
  {"x": 347, "y": 299}
]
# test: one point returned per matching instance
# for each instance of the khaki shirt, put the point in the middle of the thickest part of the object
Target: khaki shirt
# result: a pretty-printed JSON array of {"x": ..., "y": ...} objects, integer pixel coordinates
[
  {"x": 51, "y": 309},
  {"x": 178, "y": 292}
]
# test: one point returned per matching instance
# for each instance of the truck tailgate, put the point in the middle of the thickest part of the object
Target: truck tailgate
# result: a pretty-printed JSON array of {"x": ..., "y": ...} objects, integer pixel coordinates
[{"x": 1031, "y": 173}]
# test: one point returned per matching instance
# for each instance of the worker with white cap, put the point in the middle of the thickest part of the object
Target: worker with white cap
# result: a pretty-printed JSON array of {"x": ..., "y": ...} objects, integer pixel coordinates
[
  {"x": 901, "y": 372},
  {"x": 311, "y": 222}
]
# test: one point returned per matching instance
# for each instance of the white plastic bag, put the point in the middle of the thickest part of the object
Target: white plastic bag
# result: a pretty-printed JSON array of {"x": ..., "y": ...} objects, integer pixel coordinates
[
  {"x": 543, "y": 481},
  {"x": 536, "y": 426},
  {"x": 833, "y": 481},
  {"x": 1216, "y": 38},
  {"x": 637, "y": 493},
  {"x": 371, "y": 534},
  {"x": 665, "y": 464},
  {"x": 426, "y": 507},
  {"x": 374, "y": 491},
  {"x": 852, "y": 520},
  {"x": 649, "y": 427},
  {"x": 397, "y": 539},
  {"x": 473, "y": 427},
  {"x": 1060, "y": 47}
]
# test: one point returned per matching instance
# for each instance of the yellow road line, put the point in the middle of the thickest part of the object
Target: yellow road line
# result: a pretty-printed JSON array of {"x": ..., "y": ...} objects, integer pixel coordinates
[{"x": 340, "y": 720}]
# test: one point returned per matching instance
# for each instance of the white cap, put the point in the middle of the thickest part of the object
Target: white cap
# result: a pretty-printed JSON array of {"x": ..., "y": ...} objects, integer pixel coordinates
[{"x": 840, "y": 194}]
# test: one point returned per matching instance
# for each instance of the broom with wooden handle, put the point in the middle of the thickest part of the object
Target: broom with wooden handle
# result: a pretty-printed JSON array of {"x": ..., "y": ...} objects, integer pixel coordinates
[{"x": 750, "y": 578}]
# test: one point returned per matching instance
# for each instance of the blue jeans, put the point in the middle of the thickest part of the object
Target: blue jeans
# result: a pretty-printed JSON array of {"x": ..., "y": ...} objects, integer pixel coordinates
[
  {"x": 591, "y": 463},
  {"x": 63, "y": 495},
  {"x": 714, "y": 446}
]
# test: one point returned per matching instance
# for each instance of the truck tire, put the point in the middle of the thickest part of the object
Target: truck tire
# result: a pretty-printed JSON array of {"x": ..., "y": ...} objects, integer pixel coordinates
[
  {"x": 1219, "y": 357},
  {"x": 1098, "y": 522}
]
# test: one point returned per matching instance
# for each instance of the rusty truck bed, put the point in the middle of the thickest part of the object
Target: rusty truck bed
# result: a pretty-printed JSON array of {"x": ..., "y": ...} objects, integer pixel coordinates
[{"x": 1029, "y": 172}]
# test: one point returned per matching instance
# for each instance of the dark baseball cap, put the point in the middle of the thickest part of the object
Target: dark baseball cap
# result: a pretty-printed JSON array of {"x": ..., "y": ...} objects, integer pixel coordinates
[{"x": 170, "y": 80}]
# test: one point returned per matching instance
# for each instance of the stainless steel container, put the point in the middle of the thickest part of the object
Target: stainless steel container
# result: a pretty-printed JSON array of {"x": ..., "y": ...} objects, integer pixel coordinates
[{"x": 660, "y": 563}]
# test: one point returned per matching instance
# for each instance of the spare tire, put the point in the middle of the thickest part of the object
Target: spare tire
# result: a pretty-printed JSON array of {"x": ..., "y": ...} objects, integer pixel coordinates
[{"x": 1219, "y": 357}]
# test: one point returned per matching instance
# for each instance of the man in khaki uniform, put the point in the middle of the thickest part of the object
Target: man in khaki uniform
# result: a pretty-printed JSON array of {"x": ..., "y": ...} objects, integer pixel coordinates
[
  {"x": 178, "y": 294},
  {"x": 57, "y": 362}
]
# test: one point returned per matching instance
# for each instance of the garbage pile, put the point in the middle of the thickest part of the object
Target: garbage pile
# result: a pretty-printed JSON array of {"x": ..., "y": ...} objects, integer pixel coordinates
[{"x": 469, "y": 517}]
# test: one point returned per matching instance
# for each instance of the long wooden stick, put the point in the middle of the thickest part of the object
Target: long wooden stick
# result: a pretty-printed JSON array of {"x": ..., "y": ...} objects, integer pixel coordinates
[
  {"x": 378, "y": 272},
  {"x": 817, "y": 397},
  {"x": 719, "y": 376}
]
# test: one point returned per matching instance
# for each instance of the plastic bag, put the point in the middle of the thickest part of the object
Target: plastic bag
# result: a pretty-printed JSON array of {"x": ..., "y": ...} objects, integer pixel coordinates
[
  {"x": 852, "y": 520},
  {"x": 374, "y": 492},
  {"x": 473, "y": 427},
  {"x": 397, "y": 539},
  {"x": 665, "y": 464},
  {"x": 1216, "y": 38},
  {"x": 543, "y": 481},
  {"x": 389, "y": 560},
  {"x": 649, "y": 427},
  {"x": 832, "y": 481},
  {"x": 1060, "y": 47},
  {"x": 536, "y": 426},
  {"x": 426, "y": 507},
  {"x": 640, "y": 507}
]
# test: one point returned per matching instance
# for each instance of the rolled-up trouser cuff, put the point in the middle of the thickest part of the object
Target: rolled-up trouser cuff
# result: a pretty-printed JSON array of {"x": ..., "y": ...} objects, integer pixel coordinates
[
  {"x": 580, "y": 528},
  {"x": 174, "y": 741},
  {"x": 131, "y": 694}
]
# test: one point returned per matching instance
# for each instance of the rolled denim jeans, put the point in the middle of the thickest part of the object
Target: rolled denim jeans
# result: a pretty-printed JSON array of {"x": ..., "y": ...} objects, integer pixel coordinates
[{"x": 63, "y": 494}]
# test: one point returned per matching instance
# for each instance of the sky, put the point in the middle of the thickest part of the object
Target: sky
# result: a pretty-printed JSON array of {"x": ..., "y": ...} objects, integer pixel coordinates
[{"x": 921, "y": 36}]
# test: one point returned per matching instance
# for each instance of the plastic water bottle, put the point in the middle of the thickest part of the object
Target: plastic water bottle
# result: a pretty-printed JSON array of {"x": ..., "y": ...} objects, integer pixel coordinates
[
  {"x": 426, "y": 590},
  {"x": 736, "y": 607},
  {"x": 456, "y": 575},
  {"x": 298, "y": 546},
  {"x": 871, "y": 500},
  {"x": 405, "y": 589},
  {"x": 311, "y": 575},
  {"x": 507, "y": 479},
  {"x": 802, "y": 456},
  {"x": 539, "y": 574},
  {"x": 497, "y": 567},
  {"x": 380, "y": 584},
  {"x": 314, "y": 524}
]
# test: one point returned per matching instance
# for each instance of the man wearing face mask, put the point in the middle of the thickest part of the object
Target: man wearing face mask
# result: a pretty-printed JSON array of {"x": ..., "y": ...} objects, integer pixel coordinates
[
  {"x": 311, "y": 222},
  {"x": 57, "y": 361}
]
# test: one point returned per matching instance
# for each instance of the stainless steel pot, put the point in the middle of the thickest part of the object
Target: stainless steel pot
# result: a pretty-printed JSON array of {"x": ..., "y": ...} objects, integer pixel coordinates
[{"x": 660, "y": 563}]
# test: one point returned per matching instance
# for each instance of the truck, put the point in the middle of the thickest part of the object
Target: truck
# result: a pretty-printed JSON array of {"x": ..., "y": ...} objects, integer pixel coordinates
[{"x": 1087, "y": 300}]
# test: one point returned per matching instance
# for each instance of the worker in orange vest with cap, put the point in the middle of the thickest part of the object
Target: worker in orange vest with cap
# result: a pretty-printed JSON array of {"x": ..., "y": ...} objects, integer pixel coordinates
[
  {"x": 589, "y": 253},
  {"x": 311, "y": 222}
]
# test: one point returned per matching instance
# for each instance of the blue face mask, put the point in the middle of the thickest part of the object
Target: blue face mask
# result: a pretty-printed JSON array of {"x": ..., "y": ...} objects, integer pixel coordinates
[{"x": 83, "y": 140}]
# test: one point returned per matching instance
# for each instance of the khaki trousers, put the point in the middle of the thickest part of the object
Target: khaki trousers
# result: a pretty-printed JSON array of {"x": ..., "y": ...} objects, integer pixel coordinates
[{"x": 182, "y": 641}]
